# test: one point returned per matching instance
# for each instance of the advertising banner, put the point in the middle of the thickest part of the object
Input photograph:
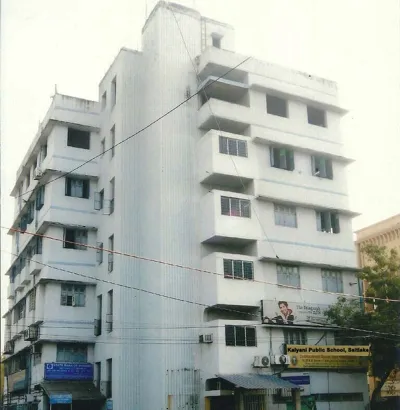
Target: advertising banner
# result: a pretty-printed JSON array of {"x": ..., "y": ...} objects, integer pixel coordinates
[
  {"x": 328, "y": 350},
  {"x": 282, "y": 312},
  {"x": 68, "y": 371},
  {"x": 17, "y": 381}
]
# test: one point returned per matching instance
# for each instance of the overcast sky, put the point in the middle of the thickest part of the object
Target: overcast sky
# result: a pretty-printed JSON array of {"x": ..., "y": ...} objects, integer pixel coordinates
[{"x": 71, "y": 43}]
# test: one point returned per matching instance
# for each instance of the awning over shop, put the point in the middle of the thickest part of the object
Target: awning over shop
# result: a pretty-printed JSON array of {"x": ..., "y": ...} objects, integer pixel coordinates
[
  {"x": 259, "y": 382},
  {"x": 79, "y": 390}
]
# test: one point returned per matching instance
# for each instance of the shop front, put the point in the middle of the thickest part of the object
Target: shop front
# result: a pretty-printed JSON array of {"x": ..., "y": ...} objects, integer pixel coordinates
[
  {"x": 249, "y": 391},
  {"x": 69, "y": 386}
]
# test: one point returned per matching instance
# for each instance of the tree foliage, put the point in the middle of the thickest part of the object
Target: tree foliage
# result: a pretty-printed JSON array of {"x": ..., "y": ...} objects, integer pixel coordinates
[{"x": 376, "y": 322}]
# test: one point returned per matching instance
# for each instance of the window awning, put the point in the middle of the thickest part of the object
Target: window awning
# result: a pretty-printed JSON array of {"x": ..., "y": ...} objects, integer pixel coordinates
[
  {"x": 259, "y": 382},
  {"x": 79, "y": 390}
]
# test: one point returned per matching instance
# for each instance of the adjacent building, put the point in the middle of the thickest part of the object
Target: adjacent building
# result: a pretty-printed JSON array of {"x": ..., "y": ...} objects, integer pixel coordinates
[
  {"x": 383, "y": 233},
  {"x": 231, "y": 227}
]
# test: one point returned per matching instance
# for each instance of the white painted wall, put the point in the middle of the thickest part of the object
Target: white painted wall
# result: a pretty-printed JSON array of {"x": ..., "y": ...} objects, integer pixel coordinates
[{"x": 163, "y": 212}]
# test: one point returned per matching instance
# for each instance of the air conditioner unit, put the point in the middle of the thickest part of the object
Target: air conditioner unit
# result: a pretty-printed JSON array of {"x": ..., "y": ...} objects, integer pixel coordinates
[
  {"x": 29, "y": 398},
  {"x": 280, "y": 359},
  {"x": 31, "y": 334},
  {"x": 261, "y": 361},
  {"x": 206, "y": 338},
  {"x": 37, "y": 174}
]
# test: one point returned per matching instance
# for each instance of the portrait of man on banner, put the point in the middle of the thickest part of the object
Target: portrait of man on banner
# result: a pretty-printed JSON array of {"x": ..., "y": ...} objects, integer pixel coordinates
[{"x": 284, "y": 317}]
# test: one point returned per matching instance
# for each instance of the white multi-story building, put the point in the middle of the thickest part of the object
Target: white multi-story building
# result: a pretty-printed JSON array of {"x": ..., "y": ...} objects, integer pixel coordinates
[{"x": 227, "y": 206}]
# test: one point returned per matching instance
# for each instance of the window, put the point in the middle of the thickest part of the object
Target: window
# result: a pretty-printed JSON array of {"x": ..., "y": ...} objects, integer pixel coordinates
[
  {"x": 282, "y": 158},
  {"x": 74, "y": 237},
  {"x": 31, "y": 212},
  {"x": 235, "y": 207},
  {"x": 78, "y": 138},
  {"x": 71, "y": 353},
  {"x": 114, "y": 92},
  {"x": 99, "y": 307},
  {"x": 238, "y": 269},
  {"x": 99, "y": 253},
  {"x": 37, "y": 245},
  {"x": 97, "y": 368},
  {"x": 288, "y": 275},
  {"x": 37, "y": 356},
  {"x": 110, "y": 309},
  {"x": 240, "y": 335},
  {"x": 332, "y": 281},
  {"x": 28, "y": 179},
  {"x": 73, "y": 295},
  {"x": 285, "y": 215},
  {"x": 322, "y": 167},
  {"x": 112, "y": 195},
  {"x": 276, "y": 106},
  {"x": 109, "y": 378},
  {"x": 20, "y": 310},
  {"x": 104, "y": 101},
  {"x": 112, "y": 141},
  {"x": 111, "y": 254},
  {"x": 77, "y": 188},
  {"x": 43, "y": 152},
  {"x": 39, "y": 202},
  {"x": 32, "y": 300},
  {"x": 295, "y": 337},
  {"x": 316, "y": 116},
  {"x": 232, "y": 146},
  {"x": 216, "y": 40},
  {"x": 99, "y": 200},
  {"x": 328, "y": 221},
  {"x": 103, "y": 146}
]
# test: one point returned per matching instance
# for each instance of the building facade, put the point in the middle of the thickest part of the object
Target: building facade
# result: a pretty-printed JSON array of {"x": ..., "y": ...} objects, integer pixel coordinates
[{"x": 174, "y": 266}]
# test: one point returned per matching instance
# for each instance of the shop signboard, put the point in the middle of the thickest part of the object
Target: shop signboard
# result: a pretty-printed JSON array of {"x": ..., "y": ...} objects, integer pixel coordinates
[
  {"x": 327, "y": 357},
  {"x": 299, "y": 379},
  {"x": 283, "y": 312},
  {"x": 391, "y": 387},
  {"x": 68, "y": 371},
  {"x": 64, "y": 398}
]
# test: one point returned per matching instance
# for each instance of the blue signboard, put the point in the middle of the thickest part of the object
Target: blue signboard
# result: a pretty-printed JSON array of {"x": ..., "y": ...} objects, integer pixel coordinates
[
  {"x": 298, "y": 380},
  {"x": 109, "y": 404},
  {"x": 61, "y": 398},
  {"x": 68, "y": 371}
]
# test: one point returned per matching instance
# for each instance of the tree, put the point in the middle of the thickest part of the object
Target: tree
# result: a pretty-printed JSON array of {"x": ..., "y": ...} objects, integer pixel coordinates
[{"x": 378, "y": 321}]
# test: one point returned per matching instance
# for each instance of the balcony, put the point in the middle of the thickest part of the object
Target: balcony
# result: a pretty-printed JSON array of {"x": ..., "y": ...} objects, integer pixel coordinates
[
  {"x": 291, "y": 188},
  {"x": 35, "y": 265},
  {"x": 216, "y": 168},
  {"x": 264, "y": 76},
  {"x": 327, "y": 251},
  {"x": 227, "y": 229},
  {"x": 11, "y": 291},
  {"x": 25, "y": 277},
  {"x": 18, "y": 282},
  {"x": 229, "y": 117},
  {"x": 220, "y": 289}
]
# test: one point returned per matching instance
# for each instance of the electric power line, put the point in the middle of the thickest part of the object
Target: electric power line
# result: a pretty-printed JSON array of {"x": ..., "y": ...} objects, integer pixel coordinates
[
  {"x": 188, "y": 267},
  {"x": 134, "y": 134},
  {"x": 219, "y": 129}
]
